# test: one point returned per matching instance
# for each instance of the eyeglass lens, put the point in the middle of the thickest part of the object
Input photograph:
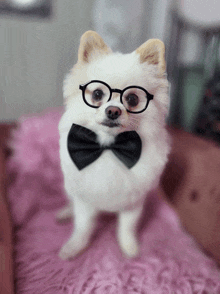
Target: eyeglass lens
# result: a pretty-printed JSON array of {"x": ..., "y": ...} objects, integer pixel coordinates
[{"x": 96, "y": 94}]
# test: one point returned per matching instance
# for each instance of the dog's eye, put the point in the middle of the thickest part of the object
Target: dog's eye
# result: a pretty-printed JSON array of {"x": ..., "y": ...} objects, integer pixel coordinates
[
  {"x": 132, "y": 100},
  {"x": 97, "y": 95}
]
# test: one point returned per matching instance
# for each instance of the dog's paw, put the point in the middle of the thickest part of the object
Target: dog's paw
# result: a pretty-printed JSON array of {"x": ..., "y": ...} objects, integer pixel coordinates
[
  {"x": 71, "y": 249},
  {"x": 130, "y": 246},
  {"x": 65, "y": 214},
  {"x": 67, "y": 251}
]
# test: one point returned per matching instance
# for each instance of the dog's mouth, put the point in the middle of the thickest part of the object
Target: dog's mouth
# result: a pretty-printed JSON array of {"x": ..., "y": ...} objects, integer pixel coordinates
[{"x": 111, "y": 124}]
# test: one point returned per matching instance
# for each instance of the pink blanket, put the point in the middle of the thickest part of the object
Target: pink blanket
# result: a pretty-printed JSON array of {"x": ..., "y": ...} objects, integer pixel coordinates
[{"x": 170, "y": 260}]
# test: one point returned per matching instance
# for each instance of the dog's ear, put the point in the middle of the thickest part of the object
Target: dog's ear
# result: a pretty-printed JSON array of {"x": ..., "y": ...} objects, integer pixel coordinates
[
  {"x": 153, "y": 52},
  {"x": 91, "y": 45}
]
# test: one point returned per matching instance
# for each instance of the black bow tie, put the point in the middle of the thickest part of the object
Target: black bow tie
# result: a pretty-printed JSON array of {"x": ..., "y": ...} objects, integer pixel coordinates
[{"x": 84, "y": 149}]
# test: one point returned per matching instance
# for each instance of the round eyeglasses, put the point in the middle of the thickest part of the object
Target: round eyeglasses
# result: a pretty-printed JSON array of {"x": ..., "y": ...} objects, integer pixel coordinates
[{"x": 134, "y": 98}]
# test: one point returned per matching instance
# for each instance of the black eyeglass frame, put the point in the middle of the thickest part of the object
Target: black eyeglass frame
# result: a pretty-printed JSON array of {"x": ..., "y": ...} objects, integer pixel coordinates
[{"x": 121, "y": 92}]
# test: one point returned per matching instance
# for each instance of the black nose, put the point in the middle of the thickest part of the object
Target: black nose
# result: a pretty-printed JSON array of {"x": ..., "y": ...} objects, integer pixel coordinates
[{"x": 113, "y": 112}]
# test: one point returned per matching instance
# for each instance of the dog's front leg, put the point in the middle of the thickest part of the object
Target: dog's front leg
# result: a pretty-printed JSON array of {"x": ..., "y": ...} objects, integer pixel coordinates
[
  {"x": 127, "y": 234},
  {"x": 84, "y": 223}
]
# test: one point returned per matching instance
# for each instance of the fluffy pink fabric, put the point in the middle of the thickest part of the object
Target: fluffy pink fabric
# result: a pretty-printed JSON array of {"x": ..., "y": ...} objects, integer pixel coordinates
[{"x": 170, "y": 260}]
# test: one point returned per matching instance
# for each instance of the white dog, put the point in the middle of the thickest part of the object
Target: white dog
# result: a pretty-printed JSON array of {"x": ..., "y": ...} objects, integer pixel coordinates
[{"x": 113, "y": 140}]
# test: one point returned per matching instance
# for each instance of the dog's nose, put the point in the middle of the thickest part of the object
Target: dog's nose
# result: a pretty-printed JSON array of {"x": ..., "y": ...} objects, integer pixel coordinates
[{"x": 113, "y": 112}]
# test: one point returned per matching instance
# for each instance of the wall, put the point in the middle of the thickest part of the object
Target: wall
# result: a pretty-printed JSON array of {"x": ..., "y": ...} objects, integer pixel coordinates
[{"x": 36, "y": 54}]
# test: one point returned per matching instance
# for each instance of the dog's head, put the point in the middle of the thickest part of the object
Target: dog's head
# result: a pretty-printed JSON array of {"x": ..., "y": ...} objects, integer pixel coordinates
[{"x": 113, "y": 92}]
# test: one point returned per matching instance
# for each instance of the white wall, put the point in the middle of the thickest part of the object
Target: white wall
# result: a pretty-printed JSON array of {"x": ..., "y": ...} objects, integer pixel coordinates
[
  {"x": 36, "y": 54},
  {"x": 126, "y": 24}
]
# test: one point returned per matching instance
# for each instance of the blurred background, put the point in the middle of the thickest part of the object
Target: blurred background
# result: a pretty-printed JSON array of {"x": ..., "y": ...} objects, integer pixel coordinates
[{"x": 39, "y": 41}]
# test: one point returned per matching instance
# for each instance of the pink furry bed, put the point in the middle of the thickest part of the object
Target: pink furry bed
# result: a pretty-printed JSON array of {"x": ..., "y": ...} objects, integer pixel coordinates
[{"x": 170, "y": 260}]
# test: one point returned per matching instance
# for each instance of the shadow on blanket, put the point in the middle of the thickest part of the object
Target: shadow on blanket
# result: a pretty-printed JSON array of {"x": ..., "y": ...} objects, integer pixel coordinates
[{"x": 170, "y": 260}]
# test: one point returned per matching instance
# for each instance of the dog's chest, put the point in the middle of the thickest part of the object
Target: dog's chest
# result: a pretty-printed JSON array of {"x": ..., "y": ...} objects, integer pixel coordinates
[{"x": 107, "y": 183}]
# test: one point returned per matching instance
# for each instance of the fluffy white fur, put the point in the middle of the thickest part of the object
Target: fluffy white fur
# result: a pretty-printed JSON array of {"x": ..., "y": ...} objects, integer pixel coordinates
[{"x": 107, "y": 184}]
